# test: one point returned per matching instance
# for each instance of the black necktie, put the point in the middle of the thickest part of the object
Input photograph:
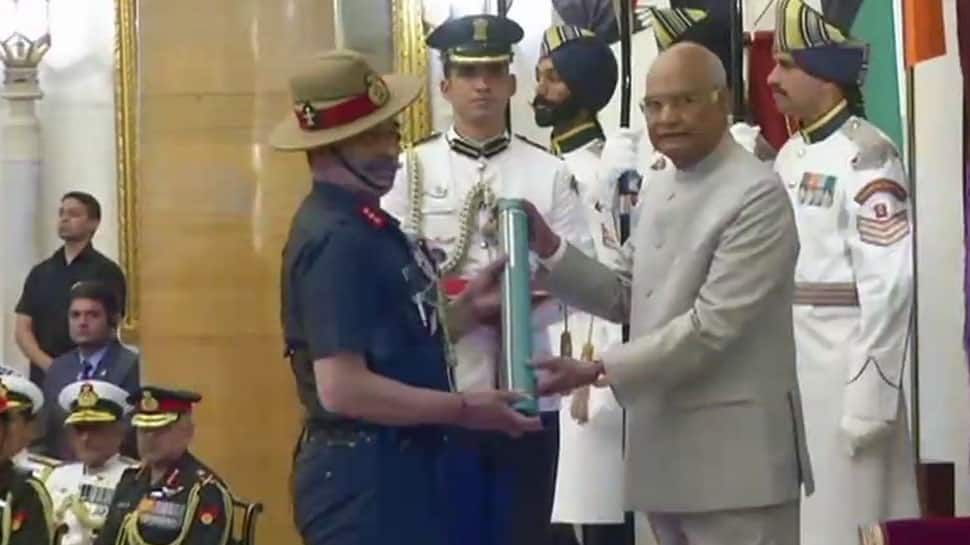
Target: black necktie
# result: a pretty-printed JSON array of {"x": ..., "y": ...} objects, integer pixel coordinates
[{"x": 87, "y": 370}]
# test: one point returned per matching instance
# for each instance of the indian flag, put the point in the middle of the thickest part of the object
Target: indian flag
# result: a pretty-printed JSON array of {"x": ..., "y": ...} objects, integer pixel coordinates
[{"x": 915, "y": 35}]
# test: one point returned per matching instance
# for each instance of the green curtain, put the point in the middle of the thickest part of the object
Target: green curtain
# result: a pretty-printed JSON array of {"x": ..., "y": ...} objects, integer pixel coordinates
[{"x": 876, "y": 24}]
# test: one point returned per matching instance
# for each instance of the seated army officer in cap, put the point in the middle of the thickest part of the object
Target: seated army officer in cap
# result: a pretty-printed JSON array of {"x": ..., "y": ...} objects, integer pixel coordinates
[
  {"x": 81, "y": 491},
  {"x": 25, "y": 401},
  {"x": 172, "y": 498},
  {"x": 26, "y": 507},
  {"x": 366, "y": 329}
]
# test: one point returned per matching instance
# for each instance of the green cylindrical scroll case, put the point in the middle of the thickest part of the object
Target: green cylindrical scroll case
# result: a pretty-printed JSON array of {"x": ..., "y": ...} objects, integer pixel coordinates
[{"x": 517, "y": 373}]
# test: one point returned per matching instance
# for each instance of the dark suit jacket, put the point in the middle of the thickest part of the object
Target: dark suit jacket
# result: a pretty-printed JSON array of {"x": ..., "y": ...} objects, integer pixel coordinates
[{"x": 119, "y": 366}]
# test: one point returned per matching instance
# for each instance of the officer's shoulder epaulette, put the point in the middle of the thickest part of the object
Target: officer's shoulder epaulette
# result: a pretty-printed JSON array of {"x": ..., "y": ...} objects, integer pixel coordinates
[
  {"x": 874, "y": 147},
  {"x": 128, "y": 461},
  {"x": 44, "y": 460},
  {"x": 533, "y": 144},
  {"x": 134, "y": 471},
  {"x": 430, "y": 138}
]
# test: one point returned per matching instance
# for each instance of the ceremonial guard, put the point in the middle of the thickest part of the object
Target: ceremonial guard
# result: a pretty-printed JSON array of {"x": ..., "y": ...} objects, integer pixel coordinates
[
  {"x": 854, "y": 281},
  {"x": 447, "y": 191},
  {"x": 171, "y": 498},
  {"x": 25, "y": 401},
  {"x": 81, "y": 491},
  {"x": 576, "y": 76},
  {"x": 25, "y": 506}
]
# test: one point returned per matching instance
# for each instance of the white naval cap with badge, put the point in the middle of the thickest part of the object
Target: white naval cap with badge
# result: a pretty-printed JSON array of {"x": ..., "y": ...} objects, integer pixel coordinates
[
  {"x": 93, "y": 402},
  {"x": 21, "y": 393}
]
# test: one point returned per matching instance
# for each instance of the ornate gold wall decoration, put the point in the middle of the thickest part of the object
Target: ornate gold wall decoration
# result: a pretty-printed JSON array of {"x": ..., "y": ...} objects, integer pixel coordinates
[
  {"x": 411, "y": 57},
  {"x": 126, "y": 143}
]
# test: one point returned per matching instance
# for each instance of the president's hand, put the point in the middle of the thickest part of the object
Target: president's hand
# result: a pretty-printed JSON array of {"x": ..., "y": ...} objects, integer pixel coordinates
[
  {"x": 561, "y": 375},
  {"x": 542, "y": 240}
]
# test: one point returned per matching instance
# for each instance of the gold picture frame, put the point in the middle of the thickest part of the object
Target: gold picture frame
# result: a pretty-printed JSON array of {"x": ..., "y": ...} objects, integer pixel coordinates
[
  {"x": 126, "y": 144},
  {"x": 411, "y": 57}
]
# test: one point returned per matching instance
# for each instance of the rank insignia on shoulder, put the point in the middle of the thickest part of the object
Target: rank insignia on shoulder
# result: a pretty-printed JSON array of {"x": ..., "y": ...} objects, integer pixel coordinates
[
  {"x": 875, "y": 148},
  {"x": 18, "y": 519},
  {"x": 531, "y": 143},
  {"x": 374, "y": 217},
  {"x": 209, "y": 515}
]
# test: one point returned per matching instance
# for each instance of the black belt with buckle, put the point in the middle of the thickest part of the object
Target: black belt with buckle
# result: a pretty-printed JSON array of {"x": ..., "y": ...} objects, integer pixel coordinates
[{"x": 350, "y": 431}]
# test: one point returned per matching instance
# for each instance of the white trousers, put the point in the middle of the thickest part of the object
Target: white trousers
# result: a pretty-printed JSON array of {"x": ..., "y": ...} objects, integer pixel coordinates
[{"x": 773, "y": 525}]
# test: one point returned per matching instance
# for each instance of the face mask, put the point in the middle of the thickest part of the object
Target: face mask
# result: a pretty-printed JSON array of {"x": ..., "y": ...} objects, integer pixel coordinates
[
  {"x": 377, "y": 173},
  {"x": 379, "y": 169},
  {"x": 549, "y": 113}
]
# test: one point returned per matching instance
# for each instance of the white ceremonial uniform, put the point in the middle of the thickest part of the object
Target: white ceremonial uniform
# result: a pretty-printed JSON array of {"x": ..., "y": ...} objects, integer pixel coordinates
[
  {"x": 437, "y": 189},
  {"x": 854, "y": 290},
  {"x": 38, "y": 466},
  {"x": 589, "y": 481},
  {"x": 81, "y": 496}
]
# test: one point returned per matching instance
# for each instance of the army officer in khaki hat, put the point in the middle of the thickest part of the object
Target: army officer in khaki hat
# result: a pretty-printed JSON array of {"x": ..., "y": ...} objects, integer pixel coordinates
[{"x": 365, "y": 324}]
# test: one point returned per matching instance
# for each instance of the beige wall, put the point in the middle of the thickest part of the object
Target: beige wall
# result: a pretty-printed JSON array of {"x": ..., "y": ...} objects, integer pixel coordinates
[{"x": 214, "y": 206}]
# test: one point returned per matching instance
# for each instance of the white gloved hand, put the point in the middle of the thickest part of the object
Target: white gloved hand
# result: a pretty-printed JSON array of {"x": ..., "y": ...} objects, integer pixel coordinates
[
  {"x": 619, "y": 156},
  {"x": 858, "y": 434}
]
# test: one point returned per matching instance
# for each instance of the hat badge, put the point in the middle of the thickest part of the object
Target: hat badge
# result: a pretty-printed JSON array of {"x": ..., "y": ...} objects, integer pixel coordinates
[
  {"x": 309, "y": 115},
  {"x": 377, "y": 90},
  {"x": 480, "y": 30},
  {"x": 148, "y": 402},
  {"x": 87, "y": 398}
]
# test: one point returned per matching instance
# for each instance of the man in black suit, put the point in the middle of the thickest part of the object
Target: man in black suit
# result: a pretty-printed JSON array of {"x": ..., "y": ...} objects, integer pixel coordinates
[{"x": 93, "y": 317}]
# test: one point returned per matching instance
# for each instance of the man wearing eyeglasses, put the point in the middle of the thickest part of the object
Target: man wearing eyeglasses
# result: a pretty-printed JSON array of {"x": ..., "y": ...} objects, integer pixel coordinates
[
  {"x": 672, "y": 26},
  {"x": 715, "y": 450}
]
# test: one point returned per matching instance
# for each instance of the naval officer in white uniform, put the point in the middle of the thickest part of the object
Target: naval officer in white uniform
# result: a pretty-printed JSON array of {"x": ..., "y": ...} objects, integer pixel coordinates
[
  {"x": 446, "y": 191},
  {"x": 81, "y": 491}
]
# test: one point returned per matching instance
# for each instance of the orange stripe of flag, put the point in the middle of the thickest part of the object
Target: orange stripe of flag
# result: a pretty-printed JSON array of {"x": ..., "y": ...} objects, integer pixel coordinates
[{"x": 923, "y": 30}]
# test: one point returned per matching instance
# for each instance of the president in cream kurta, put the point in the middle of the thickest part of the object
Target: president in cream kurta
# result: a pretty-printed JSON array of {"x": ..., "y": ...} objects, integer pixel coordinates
[{"x": 715, "y": 444}]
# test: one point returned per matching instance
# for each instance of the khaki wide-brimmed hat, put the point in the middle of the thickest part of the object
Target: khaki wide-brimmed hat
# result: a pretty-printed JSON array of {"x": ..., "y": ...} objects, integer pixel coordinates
[{"x": 337, "y": 95}]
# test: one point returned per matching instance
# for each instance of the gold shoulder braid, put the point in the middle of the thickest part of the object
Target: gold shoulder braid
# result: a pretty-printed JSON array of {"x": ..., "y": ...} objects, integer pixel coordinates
[
  {"x": 83, "y": 515},
  {"x": 6, "y": 522},
  {"x": 129, "y": 527},
  {"x": 479, "y": 197},
  {"x": 45, "y": 503}
]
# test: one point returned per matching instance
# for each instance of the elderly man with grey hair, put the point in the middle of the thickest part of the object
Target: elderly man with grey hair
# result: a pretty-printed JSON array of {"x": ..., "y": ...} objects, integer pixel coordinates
[{"x": 715, "y": 450}]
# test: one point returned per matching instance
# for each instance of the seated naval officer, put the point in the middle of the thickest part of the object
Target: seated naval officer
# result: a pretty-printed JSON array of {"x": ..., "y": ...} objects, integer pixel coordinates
[
  {"x": 171, "y": 498},
  {"x": 25, "y": 401},
  {"x": 81, "y": 491},
  {"x": 26, "y": 507}
]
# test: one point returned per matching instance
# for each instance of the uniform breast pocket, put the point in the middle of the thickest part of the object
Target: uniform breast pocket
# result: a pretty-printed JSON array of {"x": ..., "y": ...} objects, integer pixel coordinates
[{"x": 440, "y": 225}]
